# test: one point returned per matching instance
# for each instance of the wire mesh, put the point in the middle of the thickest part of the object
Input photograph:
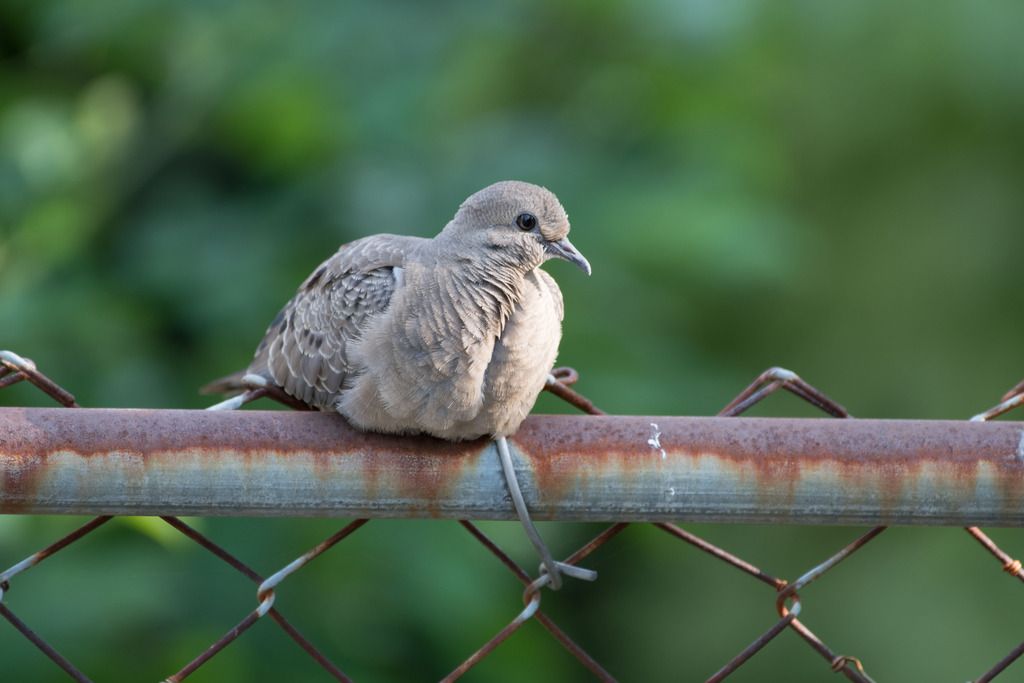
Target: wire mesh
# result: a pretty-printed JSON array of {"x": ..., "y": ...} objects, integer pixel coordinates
[{"x": 785, "y": 593}]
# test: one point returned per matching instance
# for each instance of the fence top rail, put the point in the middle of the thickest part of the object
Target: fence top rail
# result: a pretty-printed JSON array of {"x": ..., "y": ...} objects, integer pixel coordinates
[{"x": 621, "y": 468}]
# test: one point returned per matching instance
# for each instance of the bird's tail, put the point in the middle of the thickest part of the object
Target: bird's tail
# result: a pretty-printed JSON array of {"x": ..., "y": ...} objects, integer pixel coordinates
[{"x": 229, "y": 384}]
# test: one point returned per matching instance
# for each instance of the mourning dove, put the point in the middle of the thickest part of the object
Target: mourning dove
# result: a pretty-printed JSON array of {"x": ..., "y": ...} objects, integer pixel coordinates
[{"x": 453, "y": 336}]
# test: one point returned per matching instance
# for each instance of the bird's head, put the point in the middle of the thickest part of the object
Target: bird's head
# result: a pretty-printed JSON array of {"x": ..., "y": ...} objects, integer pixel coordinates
[{"x": 517, "y": 222}]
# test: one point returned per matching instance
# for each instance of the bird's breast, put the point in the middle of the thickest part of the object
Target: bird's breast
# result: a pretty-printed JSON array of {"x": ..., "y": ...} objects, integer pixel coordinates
[
  {"x": 451, "y": 363},
  {"x": 522, "y": 358}
]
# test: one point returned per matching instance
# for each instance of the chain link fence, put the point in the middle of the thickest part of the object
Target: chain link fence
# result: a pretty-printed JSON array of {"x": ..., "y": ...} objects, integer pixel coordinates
[{"x": 783, "y": 593}]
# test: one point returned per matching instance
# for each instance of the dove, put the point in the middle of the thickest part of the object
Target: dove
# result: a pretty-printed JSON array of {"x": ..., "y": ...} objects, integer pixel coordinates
[{"x": 453, "y": 336}]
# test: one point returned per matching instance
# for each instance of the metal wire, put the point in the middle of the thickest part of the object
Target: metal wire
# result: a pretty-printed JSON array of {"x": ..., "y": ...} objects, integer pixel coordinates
[
  {"x": 1012, "y": 399},
  {"x": 785, "y": 594}
]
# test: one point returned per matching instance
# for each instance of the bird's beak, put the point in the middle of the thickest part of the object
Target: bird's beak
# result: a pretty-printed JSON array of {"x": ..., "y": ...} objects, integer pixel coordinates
[{"x": 564, "y": 250}]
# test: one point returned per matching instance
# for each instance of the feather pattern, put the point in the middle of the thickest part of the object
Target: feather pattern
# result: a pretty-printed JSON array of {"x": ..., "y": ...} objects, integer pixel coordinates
[{"x": 452, "y": 336}]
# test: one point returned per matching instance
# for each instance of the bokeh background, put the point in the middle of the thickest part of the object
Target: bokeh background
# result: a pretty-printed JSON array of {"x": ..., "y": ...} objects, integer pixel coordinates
[{"x": 832, "y": 187}]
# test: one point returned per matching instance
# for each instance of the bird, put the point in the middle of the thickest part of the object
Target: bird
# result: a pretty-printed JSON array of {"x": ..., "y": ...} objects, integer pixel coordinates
[{"x": 452, "y": 336}]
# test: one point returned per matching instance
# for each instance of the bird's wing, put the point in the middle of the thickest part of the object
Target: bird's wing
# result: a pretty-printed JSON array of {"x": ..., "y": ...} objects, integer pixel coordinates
[{"x": 305, "y": 349}]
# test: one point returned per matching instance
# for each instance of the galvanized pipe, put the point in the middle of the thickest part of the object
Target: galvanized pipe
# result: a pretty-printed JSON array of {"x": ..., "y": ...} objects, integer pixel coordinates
[{"x": 190, "y": 462}]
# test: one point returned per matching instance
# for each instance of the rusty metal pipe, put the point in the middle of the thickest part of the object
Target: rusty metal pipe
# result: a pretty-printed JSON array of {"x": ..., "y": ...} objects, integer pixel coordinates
[{"x": 191, "y": 462}]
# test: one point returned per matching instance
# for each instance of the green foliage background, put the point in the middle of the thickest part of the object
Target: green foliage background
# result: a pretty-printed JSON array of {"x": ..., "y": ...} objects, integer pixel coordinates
[{"x": 833, "y": 187}]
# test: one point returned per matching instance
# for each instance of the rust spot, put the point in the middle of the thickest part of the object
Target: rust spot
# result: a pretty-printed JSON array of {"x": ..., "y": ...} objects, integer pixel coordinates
[
  {"x": 1010, "y": 480},
  {"x": 21, "y": 467},
  {"x": 21, "y": 477},
  {"x": 421, "y": 469},
  {"x": 557, "y": 445}
]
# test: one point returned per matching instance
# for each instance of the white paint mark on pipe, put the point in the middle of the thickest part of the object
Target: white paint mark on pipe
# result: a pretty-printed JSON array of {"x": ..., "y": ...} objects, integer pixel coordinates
[{"x": 655, "y": 440}]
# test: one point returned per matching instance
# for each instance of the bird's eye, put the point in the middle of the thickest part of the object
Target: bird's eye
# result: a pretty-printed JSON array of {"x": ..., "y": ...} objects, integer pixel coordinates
[{"x": 526, "y": 221}]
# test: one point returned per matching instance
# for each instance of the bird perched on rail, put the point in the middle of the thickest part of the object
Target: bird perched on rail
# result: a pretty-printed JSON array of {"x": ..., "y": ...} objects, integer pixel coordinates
[{"x": 453, "y": 336}]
